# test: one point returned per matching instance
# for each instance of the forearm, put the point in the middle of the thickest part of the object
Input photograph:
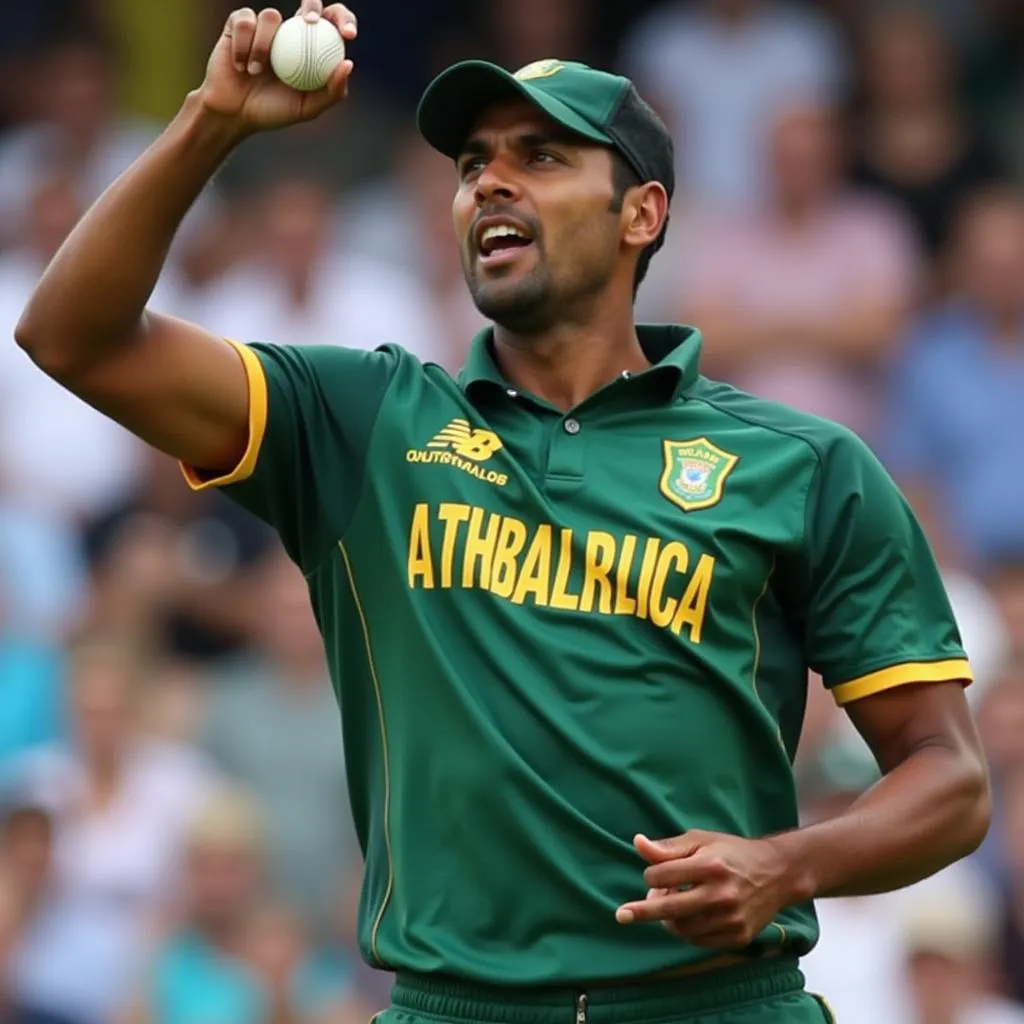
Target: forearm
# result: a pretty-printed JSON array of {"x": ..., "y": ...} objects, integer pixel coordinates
[
  {"x": 93, "y": 295},
  {"x": 929, "y": 811}
]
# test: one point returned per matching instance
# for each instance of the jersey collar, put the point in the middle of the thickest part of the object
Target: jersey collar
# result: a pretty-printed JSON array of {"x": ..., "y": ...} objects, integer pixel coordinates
[{"x": 674, "y": 351}]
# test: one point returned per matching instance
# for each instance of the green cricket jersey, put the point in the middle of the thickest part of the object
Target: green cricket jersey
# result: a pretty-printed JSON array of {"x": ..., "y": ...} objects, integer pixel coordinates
[{"x": 550, "y": 631}]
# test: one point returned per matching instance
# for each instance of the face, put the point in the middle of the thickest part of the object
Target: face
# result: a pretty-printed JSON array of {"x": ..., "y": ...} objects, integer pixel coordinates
[
  {"x": 991, "y": 257},
  {"x": 53, "y": 212},
  {"x": 905, "y": 61},
  {"x": 805, "y": 155},
  {"x": 937, "y": 984},
  {"x": 1007, "y": 587},
  {"x": 552, "y": 196},
  {"x": 101, "y": 688},
  {"x": 286, "y": 626},
  {"x": 295, "y": 218},
  {"x": 1001, "y": 723},
  {"x": 223, "y": 880},
  {"x": 77, "y": 88},
  {"x": 526, "y": 28}
]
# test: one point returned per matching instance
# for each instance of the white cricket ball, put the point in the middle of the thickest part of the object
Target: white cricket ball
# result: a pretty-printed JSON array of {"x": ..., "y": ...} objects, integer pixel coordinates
[{"x": 305, "y": 54}]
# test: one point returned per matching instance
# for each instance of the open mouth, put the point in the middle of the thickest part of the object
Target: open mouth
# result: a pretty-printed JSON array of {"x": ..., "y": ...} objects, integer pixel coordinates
[{"x": 501, "y": 243}]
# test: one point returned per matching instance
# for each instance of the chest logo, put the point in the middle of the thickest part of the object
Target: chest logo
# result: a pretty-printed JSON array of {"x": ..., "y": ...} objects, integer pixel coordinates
[
  {"x": 463, "y": 447},
  {"x": 695, "y": 472},
  {"x": 459, "y": 437}
]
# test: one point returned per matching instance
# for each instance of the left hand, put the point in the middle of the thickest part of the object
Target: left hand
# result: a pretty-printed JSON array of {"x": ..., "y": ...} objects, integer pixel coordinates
[{"x": 732, "y": 887}]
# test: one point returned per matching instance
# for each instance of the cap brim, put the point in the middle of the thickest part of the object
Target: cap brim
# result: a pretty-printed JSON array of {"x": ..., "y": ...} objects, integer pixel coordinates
[{"x": 454, "y": 101}]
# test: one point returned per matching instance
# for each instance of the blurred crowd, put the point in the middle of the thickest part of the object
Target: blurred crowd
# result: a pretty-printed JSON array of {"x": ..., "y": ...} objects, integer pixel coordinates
[{"x": 175, "y": 842}]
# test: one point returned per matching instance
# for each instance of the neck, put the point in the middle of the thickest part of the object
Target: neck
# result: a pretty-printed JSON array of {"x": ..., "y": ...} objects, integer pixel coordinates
[
  {"x": 105, "y": 778},
  {"x": 300, "y": 287},
  {"x": 569, "y": 362}
]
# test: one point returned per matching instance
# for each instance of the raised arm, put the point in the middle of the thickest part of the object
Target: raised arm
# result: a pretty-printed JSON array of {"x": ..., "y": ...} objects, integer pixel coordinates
[{"x": 173, "y": 384}]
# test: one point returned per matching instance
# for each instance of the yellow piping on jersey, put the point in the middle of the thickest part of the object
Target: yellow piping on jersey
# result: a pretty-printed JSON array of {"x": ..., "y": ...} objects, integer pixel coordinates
[
  {"x": 384, "y": 753},
  {"x": 757, "y": 644}
]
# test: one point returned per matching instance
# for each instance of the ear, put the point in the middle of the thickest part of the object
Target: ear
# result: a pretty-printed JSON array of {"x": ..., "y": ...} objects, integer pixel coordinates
[{"x": 645, "y": 210}]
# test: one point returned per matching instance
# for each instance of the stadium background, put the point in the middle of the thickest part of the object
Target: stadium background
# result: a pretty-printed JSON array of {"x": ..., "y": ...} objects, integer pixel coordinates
[{"x": 850, "y": 234}]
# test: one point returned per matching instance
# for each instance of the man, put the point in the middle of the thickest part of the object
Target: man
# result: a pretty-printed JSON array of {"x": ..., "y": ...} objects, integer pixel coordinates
[{"x": 568, "y": 600}]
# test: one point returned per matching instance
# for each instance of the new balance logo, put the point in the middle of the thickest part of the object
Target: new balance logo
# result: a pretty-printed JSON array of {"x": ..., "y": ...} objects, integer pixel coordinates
[
  {"x": 478, "y": 445},
  {"x": 463, "y": 447}
]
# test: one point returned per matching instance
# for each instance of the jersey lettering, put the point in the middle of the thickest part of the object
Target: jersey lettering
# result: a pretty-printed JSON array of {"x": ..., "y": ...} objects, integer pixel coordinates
[{"x": 456, "y": 545}]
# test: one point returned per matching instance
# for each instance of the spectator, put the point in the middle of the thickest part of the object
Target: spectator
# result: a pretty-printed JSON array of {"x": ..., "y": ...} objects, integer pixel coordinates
[
  {"x": 514, "y": 33},
  {"x": 41, "y": 562},
  {"x": 416, "y": 201},
  {"x": 1005, "y": 578},
  {"x": 1001, "y": 725},
  {"x": 120, "y": 803},
  {"x": 26, "y": 865},
  {"x": 55, "y": 451},
  {"x": 75, "y": 126},
  {"x": 31, "y": 694},
  {"x": 274, "y": 725},
  {"x": 229, "y": 959},
  {"x": 719, "y": 71},
  {"x": 296, "y": 289},
  {"x": 1012, "y": 937},
  {"x": 957, "y": 403},
  {"x": 802, "y": 300},
  {"x": 950, "y": 936},
  {"x": 209, "y": 548},
  {"x": 914, "y": 143}
]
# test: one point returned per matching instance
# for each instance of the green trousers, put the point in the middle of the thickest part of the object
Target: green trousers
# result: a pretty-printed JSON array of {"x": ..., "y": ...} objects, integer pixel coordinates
[{"x": 764, "y": 992}]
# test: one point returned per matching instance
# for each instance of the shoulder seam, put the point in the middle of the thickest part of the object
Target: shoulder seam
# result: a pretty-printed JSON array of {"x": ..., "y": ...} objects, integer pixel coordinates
[
  {"x": 819, "y": 455},
  {"x": 813, "y": 445},
  {"x": 358, "y": 497}
]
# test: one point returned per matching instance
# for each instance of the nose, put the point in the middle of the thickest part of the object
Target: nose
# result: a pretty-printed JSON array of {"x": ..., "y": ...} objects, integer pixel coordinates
[{"x": 496, "y": 184}]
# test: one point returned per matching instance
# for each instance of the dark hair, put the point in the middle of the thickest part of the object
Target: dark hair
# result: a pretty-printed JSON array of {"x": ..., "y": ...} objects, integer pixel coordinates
[{"x": 623, "y": 179}]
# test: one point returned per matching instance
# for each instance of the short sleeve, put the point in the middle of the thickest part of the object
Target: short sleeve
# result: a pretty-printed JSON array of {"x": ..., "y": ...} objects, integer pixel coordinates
[
  {"x": 875, "y": 610},
  {"x": 312, "y": 411}
]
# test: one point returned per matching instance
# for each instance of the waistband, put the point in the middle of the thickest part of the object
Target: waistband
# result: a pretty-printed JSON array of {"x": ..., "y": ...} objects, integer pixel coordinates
[{"x": 674, "y": 999}]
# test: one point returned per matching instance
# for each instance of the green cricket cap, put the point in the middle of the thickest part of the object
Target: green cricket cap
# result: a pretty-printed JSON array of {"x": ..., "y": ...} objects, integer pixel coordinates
[{"x": 597, "y": 105}]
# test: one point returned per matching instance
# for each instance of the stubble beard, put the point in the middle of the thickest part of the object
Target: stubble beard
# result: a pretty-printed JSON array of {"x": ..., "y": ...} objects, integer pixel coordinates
[{"x": 524, "y": 307}]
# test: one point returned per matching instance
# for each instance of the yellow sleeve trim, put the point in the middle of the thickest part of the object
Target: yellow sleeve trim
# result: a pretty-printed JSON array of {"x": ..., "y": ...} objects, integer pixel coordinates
[
  {"x": 257, "y": 378},
  {"x": 901, "y": 675}
]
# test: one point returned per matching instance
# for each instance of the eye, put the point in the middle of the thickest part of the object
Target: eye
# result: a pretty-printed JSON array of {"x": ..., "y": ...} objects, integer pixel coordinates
[
  {"x": 471, "y": 165},
  {"x": 544, "y": 156}
]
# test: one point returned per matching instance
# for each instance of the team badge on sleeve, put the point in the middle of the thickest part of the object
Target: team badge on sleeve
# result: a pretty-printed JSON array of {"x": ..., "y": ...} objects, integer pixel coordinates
[{"x": 695, "y": 473}]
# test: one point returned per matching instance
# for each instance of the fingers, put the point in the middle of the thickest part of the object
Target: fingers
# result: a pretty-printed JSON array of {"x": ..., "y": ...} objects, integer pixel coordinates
[
  {"x": 267, "y": 24},
  {"x": 663, "y": 905},
  {"x": 311, "y": 10},
  {"x": 702, "y": 866},
  {"x": 241, "y": 29},
  {"x": 315, "y": 103},
  {"x": 656, "y": 850},
  {"x": 343, "y": 19}
]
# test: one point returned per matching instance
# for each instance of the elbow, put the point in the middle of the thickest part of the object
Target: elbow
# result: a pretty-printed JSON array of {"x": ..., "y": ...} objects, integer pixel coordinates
[
  {"x": 26, "y": 335},
  {"x": 48, "y": 345},
  {"x": 975, "y": 805},
  {"x": 33, "y": 339}
]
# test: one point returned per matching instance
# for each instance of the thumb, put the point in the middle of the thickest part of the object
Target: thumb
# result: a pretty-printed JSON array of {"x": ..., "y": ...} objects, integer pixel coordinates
[{"x": 654, "y": 851}]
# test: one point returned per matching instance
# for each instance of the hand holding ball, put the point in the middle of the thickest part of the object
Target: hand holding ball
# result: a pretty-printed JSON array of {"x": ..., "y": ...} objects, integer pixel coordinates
[{"x": 304, "y": 54}]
